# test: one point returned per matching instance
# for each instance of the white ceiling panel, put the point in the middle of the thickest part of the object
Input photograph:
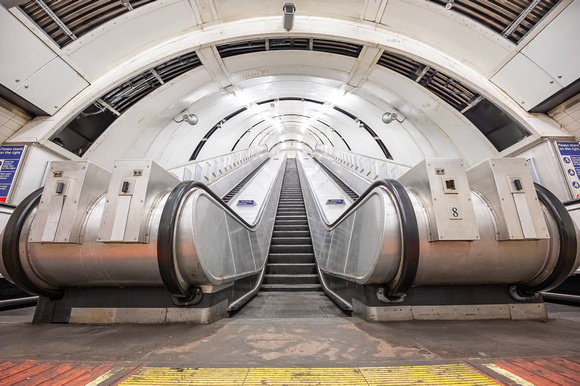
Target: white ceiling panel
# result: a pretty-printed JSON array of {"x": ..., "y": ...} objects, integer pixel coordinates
[
  {"x": 451, "y": 33},
  {"x": 56, "y": 75},
  {"x": 525, "y": 81},
  {"x": 553, "y": 50},
  {"x": 22, "y": 53},
  {"x": 117, "y": 40},
  {"x": 234, "y": 9}
]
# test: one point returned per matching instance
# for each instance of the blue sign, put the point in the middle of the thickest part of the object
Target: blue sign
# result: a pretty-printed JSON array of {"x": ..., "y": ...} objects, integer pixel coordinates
[
  {"x": 9, "y": 160},
  {"x": 335, "y": 201},
  {"x": 246, "y": 203},
  {"x": 570, "y": 160}
]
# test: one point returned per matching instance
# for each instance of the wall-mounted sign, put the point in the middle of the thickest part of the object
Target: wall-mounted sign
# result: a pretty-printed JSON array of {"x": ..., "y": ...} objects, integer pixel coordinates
[
  {"x": 570, "y": 159},
  {"x": 10, "y": 157},
  {"x": 335, "y": 201},
  {"x": 246, "y": 203}
]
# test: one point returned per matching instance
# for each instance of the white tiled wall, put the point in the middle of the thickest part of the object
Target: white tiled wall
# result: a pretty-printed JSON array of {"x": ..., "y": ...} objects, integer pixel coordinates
[
  {"x": 568, "y": 115},
  {"x": 11, "y": 120}
]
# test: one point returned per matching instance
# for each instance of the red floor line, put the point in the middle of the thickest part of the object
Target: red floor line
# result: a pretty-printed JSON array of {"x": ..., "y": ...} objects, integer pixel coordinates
[
  {"x": 67, "y": 376},
  {"x": 91, "y": 374},
  {"x": 6, "y": 365},
  {"x": 538, "y": 369},
  {"x": 17, "y": 369},
  {"x": 536, "y": 379},
  {"x": 564, "y": 362},
  {"x": 30, "y": 373},
  {"x": 559, "y": 369},
  {"x": 48, "y": 375}
]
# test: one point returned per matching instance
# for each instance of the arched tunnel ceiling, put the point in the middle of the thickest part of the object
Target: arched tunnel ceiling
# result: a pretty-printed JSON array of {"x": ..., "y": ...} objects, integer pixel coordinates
[{"x": 328, "y": 81}]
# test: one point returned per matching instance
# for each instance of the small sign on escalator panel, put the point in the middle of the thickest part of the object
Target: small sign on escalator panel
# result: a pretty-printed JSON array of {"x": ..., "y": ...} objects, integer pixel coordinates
[
  {"x": 246, "y": 203},
  {"x": 335, "y": 201}
]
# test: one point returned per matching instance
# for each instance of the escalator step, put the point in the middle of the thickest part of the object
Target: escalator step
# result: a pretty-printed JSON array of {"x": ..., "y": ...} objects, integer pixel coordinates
[
  {"x": 293, "y": 288},
  {"x": 291, "y": 233},
  {"x": 295, "y": 248},
  {"x": 291, "y": 269},
  {"x": 291, "y": 241},
  {"x": 286, "y": 258},
  {"x": 291, "y": 279}
]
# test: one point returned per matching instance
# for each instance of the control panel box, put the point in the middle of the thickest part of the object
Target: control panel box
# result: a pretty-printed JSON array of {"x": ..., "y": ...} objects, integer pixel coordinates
[
  {"x": 133, "y": 190},
  {"x": 442, "y": 187},
  {"x": 70, "y": 189},
  {"x": 507, "y": 186}
]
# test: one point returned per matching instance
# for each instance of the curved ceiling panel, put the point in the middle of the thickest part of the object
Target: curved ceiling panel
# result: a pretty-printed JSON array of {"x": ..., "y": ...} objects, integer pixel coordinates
[{"x": 246, "y": 81}]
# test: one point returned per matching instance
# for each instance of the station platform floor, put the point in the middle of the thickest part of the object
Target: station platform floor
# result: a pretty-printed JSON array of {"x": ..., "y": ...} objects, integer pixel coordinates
[{"x": 257, "y": 347}]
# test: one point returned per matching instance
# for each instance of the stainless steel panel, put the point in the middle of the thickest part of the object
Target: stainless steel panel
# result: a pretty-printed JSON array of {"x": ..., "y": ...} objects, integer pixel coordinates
[
  {"x": 213, "y": 247},
  {"x": 444, "y": 191},
  {"x": 495, "y": 180},
  {"x": 93, "y": 263},
  {"x": 358, "y": 248},
  {"x": 125, "y": 213},
  {"x": 69, "y": 191},
  {"x": 446, "y": 262},
  {"x": 485, "y": 261}
]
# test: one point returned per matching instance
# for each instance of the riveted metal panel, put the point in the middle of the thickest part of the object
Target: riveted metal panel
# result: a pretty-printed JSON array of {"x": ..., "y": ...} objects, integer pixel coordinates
[
  {"x": 71, "y": 188},
  {"x": 444, "y": 191}
]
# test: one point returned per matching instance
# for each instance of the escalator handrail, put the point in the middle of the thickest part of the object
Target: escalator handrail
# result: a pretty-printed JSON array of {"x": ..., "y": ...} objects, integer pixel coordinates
[
  {"x": 359, "y": 201},
  {"x": 11, "y": 248},
  {"x": 409, "y": 228},
  {"x": 166, "y": 233},
  {"x": 568, "y": 243}
]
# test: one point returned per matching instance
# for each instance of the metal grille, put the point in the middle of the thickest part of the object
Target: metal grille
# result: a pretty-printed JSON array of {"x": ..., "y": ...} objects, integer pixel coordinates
[
  {"x": 445, "y": 87},
  {"x": 83, "y": 130},
  {"x": 450, "y": 90},
  {"x": 242, "y": 47},
  {"x": 79, "y": 16},
  {"x": 498, "y": 127},
  {"x": 136, "y": 88},
  {"x": 177, "y": 66},
  {"x": 337, "y": 47},
  {"x": 513, "y": 19},
  {"x": 401, "y": 64},
  {"x": 289, "y": 43}
]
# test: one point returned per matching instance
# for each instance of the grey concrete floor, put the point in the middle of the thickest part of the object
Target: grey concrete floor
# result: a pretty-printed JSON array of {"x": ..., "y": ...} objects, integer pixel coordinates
[{"x": 252, "y": 339}]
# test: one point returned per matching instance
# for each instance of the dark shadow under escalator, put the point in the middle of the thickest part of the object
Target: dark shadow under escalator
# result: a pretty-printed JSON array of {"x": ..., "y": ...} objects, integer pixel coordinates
[{"x": 291, "y": 286}]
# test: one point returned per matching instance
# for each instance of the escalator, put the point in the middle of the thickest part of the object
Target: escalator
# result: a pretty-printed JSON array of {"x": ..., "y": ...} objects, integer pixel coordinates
[
  {"x": 236, "y": 189},
  {"x": 291, "y": 264},
  {"x": 291, "y": 286},
  {"x": 351, "y": 193}
]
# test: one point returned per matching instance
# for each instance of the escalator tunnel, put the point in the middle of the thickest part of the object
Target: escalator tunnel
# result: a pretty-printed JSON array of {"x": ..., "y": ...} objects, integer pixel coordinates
[{"x": 289, "y": 235}]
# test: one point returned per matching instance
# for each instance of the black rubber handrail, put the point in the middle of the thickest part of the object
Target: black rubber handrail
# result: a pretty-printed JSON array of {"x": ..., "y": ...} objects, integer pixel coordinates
[
  {"x": 11, "y": 248},
  {"x": 571, "y": 202},
  {"x": 568, "y": 243},
  {"x": 410, "y": 233}
]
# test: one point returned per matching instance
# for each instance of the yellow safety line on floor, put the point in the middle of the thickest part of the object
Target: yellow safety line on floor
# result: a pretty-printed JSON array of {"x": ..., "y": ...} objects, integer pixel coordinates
[{"x": 452, "y": 374}]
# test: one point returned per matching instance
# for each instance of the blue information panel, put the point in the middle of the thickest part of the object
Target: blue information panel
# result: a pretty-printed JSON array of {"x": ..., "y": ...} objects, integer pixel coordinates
[
  {"x": 246, "y": 203},
  {"x": 570, "y": 160},
  {"x": 335, "y": 201},
  {"x": 10, "y": 157}
]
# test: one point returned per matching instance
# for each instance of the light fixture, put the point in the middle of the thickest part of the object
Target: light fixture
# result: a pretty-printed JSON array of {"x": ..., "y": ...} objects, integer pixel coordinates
[
  {"x": 189, "y": 118},
  {"x": 390, "y": 117},
  {"x": 449, "y": 4},
  {"x": 127, "y": 5},
  {"x": 288, "y": 11}
]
